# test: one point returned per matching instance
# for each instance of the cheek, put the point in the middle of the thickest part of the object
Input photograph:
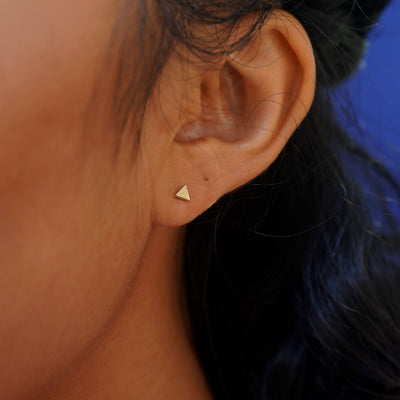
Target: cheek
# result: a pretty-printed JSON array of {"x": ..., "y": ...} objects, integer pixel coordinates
[
  {"x": 49, "y": 55},
  {"x": 62, "y": 223},
  {"x": 61, "y": 227}
]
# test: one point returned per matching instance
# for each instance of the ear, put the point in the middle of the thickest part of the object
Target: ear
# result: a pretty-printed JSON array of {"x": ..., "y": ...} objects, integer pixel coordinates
[{"x": 224, "y": 124}]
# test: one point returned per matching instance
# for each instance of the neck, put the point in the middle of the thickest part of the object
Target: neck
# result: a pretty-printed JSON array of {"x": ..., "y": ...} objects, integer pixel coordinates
[{"x": 147, "y": 353}]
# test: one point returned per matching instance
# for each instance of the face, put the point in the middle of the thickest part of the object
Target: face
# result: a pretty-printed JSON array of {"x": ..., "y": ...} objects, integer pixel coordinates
[{"x": 66, "y": 210}]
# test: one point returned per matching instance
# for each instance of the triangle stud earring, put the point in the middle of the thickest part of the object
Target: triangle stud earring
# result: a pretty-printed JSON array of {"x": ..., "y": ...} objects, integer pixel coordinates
[{"x": 183, "y": 194}]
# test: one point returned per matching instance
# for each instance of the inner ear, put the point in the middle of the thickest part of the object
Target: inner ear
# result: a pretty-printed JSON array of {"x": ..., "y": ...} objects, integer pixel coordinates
[{"x": 224, "y": 107}]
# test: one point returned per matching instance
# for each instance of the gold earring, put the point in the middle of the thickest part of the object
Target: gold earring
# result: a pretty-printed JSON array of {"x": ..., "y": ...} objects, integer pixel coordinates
[{"x": 183, "y": 194}]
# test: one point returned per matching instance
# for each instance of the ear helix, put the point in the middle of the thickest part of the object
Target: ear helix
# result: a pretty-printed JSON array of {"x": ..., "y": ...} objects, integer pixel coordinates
[{"x": 183, "y": 194}]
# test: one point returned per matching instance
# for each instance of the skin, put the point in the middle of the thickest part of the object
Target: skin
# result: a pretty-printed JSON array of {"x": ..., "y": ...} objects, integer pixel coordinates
[{"x": 91, "y": 250}]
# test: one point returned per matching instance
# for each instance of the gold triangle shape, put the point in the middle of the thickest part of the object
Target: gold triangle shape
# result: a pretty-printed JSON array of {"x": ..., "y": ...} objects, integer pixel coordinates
[{"x": 183, "y": 194}]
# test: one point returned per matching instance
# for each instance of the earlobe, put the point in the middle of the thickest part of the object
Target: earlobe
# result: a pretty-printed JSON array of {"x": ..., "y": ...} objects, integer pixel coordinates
[{"x": 247, "y": 107}]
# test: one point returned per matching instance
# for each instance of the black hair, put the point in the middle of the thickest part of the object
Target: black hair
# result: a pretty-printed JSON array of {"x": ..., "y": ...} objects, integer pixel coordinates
[{"x": 292, "y": 281}]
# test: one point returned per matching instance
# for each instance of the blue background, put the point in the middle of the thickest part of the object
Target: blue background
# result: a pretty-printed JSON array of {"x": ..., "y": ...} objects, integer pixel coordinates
[{"x": 375, "y": 90}]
